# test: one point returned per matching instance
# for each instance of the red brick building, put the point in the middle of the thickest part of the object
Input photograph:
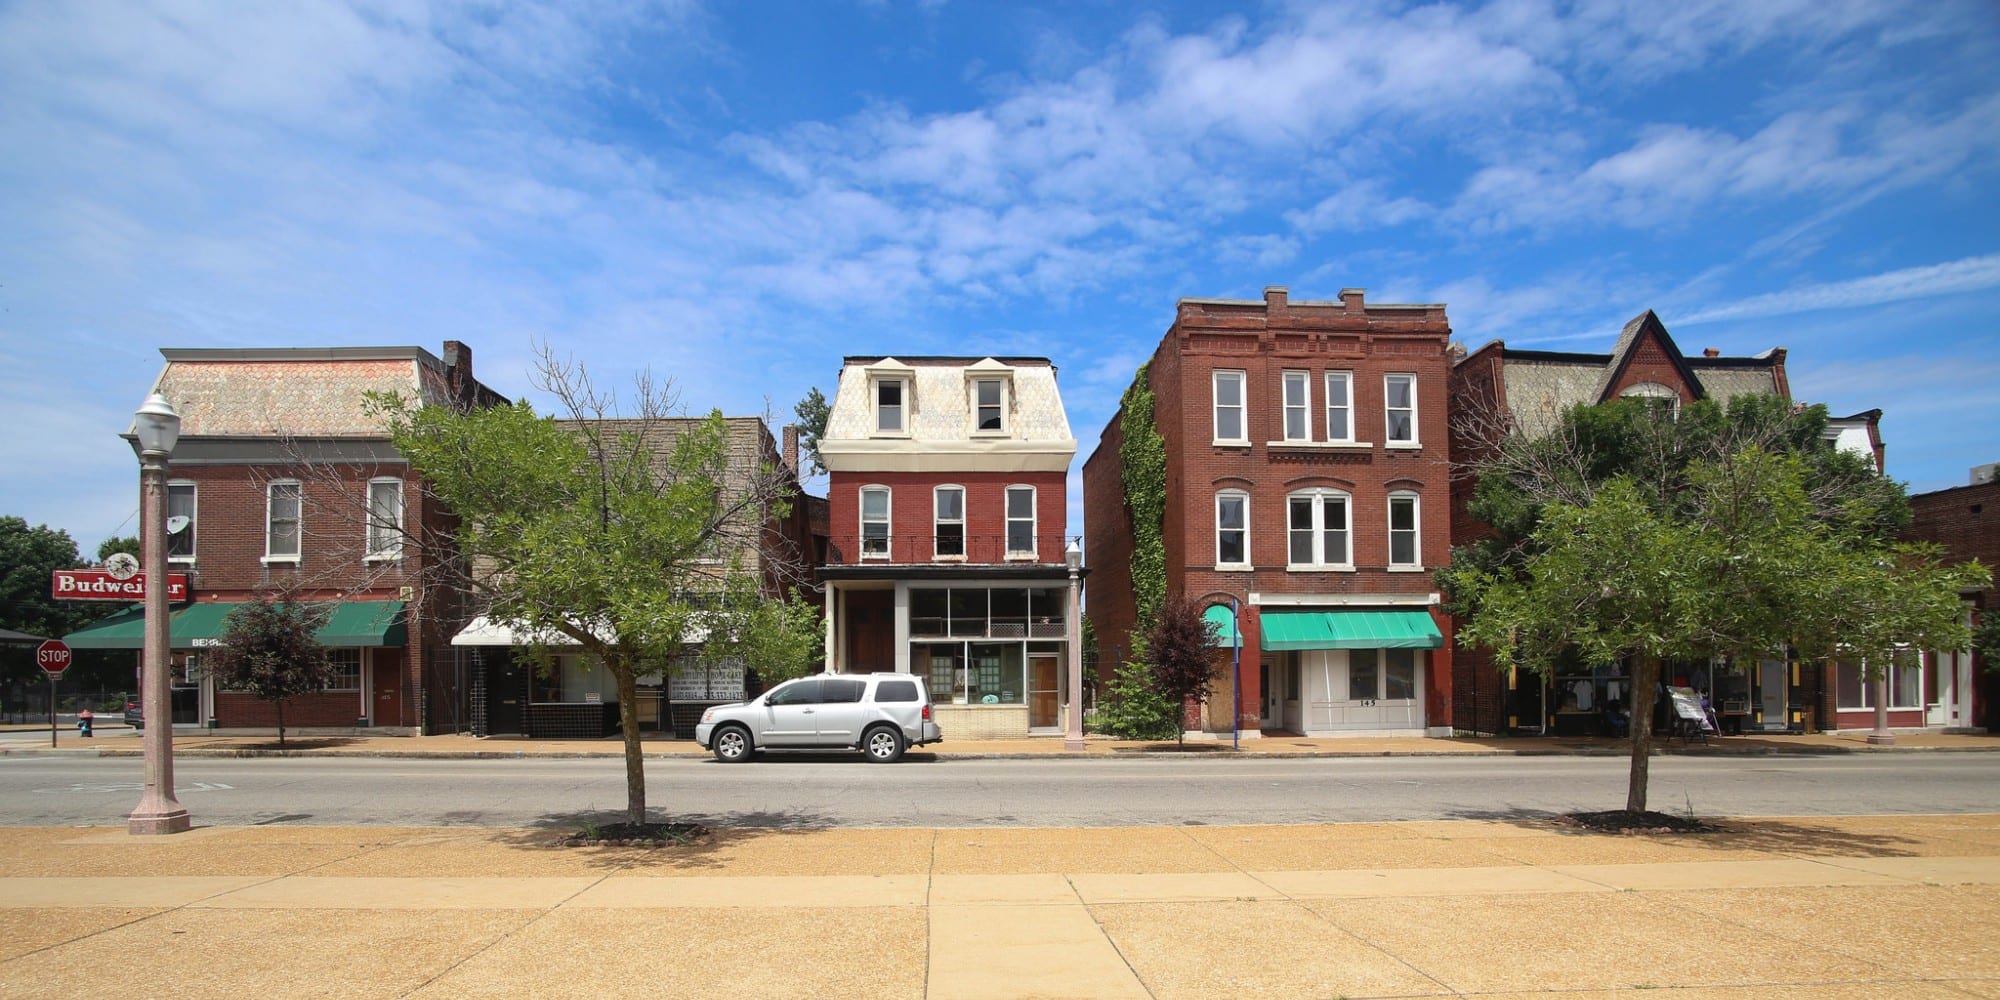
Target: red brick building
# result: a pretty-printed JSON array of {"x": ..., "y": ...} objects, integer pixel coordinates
[
  {"x": 947, "y": 517},
  {"x": 1499, "y": 390},
  {"x": 283, "y": 482},
  {"x": 1307, "y": 485},
  {"x": 1959, "y": 691}
]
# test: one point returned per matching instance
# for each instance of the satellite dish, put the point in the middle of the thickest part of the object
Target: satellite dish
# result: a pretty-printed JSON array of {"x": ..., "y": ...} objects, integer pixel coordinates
[{"x": 177, "y": 524}]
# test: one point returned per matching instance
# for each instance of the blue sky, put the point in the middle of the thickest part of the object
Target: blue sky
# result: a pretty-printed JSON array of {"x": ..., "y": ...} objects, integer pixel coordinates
[{"x": 736, "y": 195}]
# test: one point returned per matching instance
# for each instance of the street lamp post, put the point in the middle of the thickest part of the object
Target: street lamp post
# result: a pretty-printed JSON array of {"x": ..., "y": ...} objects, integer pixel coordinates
[
  {"x": 156, "y": 429},
  {"x": 1073, "y": 556}
]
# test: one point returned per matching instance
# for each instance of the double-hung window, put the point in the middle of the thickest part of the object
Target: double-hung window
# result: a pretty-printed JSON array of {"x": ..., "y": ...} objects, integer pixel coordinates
[
  {"x": 891, "y": 405},
  {"x": 385, "y": 518},
  {"x": 281, "y": 522},
  {"x": 950, "y": 542},
  {"x": 989, "y": 405},
  {"x": 1339, "y": 406},
  {"x": 180, "y": 522},
  {"x": 1232, "y": 528},
  {"x": 1399, "y": 408},
  {"x": 1298, "y": 406},
  {"x": 1403, "y": 535},
  {"x": 1317, "y": 529},
  {"x": 1229, "y": 424},
  {"x": 875, "y": 522},
  {"x": 1020, "y": 520},
  {"x": 345, "y": 674}
]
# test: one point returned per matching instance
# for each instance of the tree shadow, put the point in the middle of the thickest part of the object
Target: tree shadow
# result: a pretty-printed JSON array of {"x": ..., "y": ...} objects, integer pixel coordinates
[{"x": 1807, "y": 837}]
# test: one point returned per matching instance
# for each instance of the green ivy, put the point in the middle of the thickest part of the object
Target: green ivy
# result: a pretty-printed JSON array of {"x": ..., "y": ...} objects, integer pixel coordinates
[{"x": 1143, "y": 456}]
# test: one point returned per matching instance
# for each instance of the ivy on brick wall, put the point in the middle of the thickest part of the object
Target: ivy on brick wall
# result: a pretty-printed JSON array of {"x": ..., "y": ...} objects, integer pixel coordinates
[{"x": 1143, "y": 455}]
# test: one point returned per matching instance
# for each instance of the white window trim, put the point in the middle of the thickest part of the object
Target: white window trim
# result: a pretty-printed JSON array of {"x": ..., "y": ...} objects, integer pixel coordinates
[
  {"x": 1416, "y": 430},
  {"x": 1006, "y": 393},
  {"x": 194, "y": 519},
  {"x": 888, "y": 522},
  {"x": 1242, "y": 407},
  {"x": 270, "y": 489},
  {"x": 1248, "y": 562},
  {"x": 875, "y": 405},
  {"x": 1868, "y": 685},
  {"x": 394, "y": 553},
  {"x": 1346, "y": 435},
  {"x": 360, "y": 671},
  {"x": 938, "y": 523},
  {"x": 1286, "y": 406},
  {"x": 1033, "y": 551},
  {"x": 1319, "y": 495},
  {"x": 1416, "y": 531}
]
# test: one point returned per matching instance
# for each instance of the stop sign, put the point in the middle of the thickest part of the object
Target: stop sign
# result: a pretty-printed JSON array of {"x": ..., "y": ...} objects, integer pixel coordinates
[{"x": 53, "y": 657}]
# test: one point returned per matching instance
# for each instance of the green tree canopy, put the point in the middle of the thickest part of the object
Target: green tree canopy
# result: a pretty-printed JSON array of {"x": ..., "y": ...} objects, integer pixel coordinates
[
  {"x": 627, "y": 538},
  {"x": 1628, "y": 535},
  {"x": 28, "y": 555},
  {"x": 128, "y": 544},
  {"x": 813, "y": 413}
]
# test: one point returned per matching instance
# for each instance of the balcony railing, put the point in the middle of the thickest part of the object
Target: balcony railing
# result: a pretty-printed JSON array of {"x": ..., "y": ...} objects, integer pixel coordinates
[{"x": 944, "y": 548}]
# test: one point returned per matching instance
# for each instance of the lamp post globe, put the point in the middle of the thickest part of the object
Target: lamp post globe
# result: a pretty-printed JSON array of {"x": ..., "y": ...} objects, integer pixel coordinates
[{"x": 156, "y": 429}]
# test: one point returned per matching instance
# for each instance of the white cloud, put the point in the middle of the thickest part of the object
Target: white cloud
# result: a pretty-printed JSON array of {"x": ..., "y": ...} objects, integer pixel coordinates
[{"x": 1970, "y": 274}]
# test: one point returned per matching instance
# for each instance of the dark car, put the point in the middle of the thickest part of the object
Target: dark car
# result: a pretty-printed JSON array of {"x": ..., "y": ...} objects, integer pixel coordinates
[{"x": 133, "y": 716}]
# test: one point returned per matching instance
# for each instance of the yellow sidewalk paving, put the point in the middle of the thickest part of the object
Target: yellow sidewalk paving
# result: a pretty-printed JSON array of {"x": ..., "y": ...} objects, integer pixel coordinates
[{"x": 1904, "y": 906}]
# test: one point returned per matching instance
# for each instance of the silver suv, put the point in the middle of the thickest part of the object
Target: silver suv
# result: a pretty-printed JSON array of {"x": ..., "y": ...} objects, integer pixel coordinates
[{"x": 879, "y": 714}]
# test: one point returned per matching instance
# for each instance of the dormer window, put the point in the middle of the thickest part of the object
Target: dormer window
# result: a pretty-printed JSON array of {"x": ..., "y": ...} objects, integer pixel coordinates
[
  {"x": 891, "y": 405},
  {"x": 989, "y": 405},
  {"x": 1657, "y": 395}
]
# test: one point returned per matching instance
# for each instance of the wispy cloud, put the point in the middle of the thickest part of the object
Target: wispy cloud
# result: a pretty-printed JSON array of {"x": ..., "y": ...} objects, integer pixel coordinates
[{"x": 1971, "y": 274}]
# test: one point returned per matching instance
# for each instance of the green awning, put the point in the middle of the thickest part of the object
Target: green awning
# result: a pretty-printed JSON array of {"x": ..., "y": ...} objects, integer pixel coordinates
[
  {"x": 1225, "y": 625},
  {"x": 1350, "y": 630},
  {"x": 351, "y": 623}
]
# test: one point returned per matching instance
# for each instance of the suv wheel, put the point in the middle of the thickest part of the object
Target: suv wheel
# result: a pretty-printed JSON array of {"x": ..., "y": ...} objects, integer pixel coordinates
[
  {"x": 883, "y": 744},
  {"x": 732, "y": 745}
]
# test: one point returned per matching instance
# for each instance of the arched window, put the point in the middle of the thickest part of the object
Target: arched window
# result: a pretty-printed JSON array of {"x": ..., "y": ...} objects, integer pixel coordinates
[
  {"x": 1658, "y": 394},
  {"x": 1317, "y": 535}
]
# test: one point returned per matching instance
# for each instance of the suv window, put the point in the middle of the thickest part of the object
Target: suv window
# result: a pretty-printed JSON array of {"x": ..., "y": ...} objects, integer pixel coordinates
[
  {"x": 804, "y": 692},
  {"x": 896, "y": 691},
  {"x": 840, "y": 692}
]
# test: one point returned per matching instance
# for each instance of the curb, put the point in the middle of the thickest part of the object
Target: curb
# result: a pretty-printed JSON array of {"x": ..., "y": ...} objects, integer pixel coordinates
[{"x": 1114, "y": 754}]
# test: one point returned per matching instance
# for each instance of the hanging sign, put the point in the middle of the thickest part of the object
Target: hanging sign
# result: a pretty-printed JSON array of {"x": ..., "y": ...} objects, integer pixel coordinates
[{"x": 104, "y": 585}]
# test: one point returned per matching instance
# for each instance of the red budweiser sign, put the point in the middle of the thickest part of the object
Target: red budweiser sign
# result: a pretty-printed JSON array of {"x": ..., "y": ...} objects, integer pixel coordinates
[{"x": 102, "y": 585}]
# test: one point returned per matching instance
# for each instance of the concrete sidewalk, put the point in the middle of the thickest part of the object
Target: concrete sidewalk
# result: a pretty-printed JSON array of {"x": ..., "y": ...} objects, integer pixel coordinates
[
  {"x": 1899, "y": 906},
  {"x": 120, "y": 740}
]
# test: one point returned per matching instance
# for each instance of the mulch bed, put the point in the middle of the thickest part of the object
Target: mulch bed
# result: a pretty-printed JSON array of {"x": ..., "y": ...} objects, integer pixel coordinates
[
  {"x": 637, "y": 835},
  {"x": 1627, "y": 821}
]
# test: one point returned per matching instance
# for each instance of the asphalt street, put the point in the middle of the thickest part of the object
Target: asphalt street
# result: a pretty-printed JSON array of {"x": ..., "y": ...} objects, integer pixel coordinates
[{"x": 805, "y": 791}]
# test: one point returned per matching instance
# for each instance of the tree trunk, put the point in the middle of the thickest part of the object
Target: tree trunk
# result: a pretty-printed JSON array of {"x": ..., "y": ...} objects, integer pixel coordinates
[
  {"x": 628, "y": 725},
  {"x": 1645, "y": 686}
]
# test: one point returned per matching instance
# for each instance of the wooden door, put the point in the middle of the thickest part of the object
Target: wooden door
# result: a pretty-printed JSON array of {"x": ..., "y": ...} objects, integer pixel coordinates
[
  {"x": 1044, "y": 673},
  {"x": 871, "y": 631},
  {"x": 387, "y": 683}
]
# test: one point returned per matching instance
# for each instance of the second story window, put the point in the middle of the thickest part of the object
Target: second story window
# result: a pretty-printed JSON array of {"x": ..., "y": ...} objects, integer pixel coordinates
[
  {"x": 1229, "y": 427},
  {"x": 989, "y": 405},
  {"x": 1316, "y": 529},
  {"x": 1298, "y": 406},
  {"x": 875, "y": 522},
  {"x": 1020, "y": 520},
  {"x": 385, "y": 519},
  {"x": 281, "y": 525},
  {"x": 1339, "y": 409},
  {"x": 1232, "y": 529},
  {"x": 891, "y": 406},
  {"x": 1399, "y": 408},
  {"x": 950, "y": 522},
  {"x": 180, "y": 521},
  {"x": 1403, "y": 535}
]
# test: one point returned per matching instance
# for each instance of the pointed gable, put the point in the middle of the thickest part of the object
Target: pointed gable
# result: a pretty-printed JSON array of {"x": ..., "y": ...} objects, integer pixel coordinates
[{"x": 1647, "y": 354}]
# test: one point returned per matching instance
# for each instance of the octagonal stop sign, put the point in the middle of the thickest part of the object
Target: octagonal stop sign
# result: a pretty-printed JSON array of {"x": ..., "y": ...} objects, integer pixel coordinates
[{"x": 53, "y": 657}]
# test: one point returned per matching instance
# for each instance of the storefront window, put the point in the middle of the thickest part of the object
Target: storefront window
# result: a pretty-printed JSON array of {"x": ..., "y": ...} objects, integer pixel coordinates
[
  {"x": 996, "y": 674},
  {"x": 929, "y": 610},
  {"x": 1854, "y": 690},
  {"x": 1361, "y": 682},
  {"x": 944, "y": 667},
  {"x": 1399, "y": 675},
  {"x": 1010, "y": 614},
  {"x": 968, "y": 612}
]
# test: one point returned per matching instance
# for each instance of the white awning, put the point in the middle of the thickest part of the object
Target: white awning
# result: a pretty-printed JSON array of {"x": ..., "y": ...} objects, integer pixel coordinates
[{"x": 483, "y": 631}]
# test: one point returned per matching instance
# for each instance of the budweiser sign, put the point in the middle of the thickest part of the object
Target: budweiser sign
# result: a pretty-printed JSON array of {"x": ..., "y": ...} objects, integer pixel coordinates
[{"x": 104, "y": 585}]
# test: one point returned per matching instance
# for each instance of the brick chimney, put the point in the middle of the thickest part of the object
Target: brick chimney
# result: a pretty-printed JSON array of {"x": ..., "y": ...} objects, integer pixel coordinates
[
  {"x": 458, "y": 368},
  {"x": 1350, "y": 298},
  {"x": 791, "y": 450},
  {"x": 1711, "y": 352}
]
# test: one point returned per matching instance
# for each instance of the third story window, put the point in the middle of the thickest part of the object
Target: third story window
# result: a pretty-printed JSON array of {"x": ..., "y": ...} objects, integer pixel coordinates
[
  {"x": 385, "y": 518},
  {"x": 1339, "y": 411},
  {"x": 890, "y": 405},
  {"x": 1298, "y": 406},
  {"x": 990, "y": 399},
  {"x": 1229, "y": 407},
  {"x": 180, "y": 520},
  {"x": 1399, "y": 406}
]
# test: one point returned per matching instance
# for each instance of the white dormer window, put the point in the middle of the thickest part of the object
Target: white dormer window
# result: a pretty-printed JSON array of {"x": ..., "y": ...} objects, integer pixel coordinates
[
  {"x": 1657, "y": 395},
  {"x": 989, "y": 405},
  {"x": 892, "y": 405}
]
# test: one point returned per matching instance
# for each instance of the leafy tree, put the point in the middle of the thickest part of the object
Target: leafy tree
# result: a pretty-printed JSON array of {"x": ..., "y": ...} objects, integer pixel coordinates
[
  {"x": 1743, "y": 558},
  {"x": 1182, "y": 648},
  {"x": 623, "y": 537},
  {"x": 813, "y": 412},
  {"x": 268, "y": 649},
  {"x": 128, "y": 544},
  {"x": 27, "y": 556},
  {"x": 1986, "y": 639},
  {"x": 1133, "y": 709}
]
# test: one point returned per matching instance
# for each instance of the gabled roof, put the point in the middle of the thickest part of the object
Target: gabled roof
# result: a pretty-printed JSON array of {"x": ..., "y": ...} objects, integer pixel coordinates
[{"x": 1642, "y": 326}]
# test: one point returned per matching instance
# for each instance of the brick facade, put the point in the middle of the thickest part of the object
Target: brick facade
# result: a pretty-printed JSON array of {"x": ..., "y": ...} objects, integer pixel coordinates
[
  {"x": 912, "y": 525},
  {"x": 1264, "y": 340},
  {"x": 1965, "y": 522}
]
